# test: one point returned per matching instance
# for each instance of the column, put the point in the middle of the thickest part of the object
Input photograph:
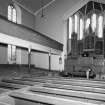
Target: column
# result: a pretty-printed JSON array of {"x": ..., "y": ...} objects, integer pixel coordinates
[
  {"x": 49, "y": 61},
  {"x": 29, "y": 59}
]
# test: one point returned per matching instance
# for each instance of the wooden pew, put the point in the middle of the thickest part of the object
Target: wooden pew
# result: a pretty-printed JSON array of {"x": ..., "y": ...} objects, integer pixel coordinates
[
  {"x": 32, "y": 80},
  {"x": 3, "y": 90},
  {"x": 90, "y": 92},
  {"x": 86, "y": 83},
  {"x": 61, "y": 79},
  {"x": 11, "y": 86},
  {"x": 65, "y": 79},
  {"x": 70, "y": 93},
  {"x": 19, "y": 82},
  {"x": 2, "y": 103},
  {"x": 75, "y": 88},
  {"x": 33, "y": 98},
  {"x": 93, "y": 88},
  {"x": 6, "y": 100},
  {"x": 85, "y": 87}
]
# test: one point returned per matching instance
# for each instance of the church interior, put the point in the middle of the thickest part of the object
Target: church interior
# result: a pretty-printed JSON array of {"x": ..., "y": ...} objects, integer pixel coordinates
[{"x": 52, "y": 52}]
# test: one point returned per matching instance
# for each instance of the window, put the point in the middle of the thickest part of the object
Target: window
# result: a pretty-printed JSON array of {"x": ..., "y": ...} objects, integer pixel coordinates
[
  {"x": 94, "y": 22},
  {"x": 81, "y": 29},
  {"x": 12, "y": 15},
  {"x": 87, "y": 23},
  {"x": 70, "y": 27},
  {"x": 9, "y": 12},
  {"x": 100, "y": 26},
  {"x": 76, "y": 23},
  {"x": 11, "y": 54}
]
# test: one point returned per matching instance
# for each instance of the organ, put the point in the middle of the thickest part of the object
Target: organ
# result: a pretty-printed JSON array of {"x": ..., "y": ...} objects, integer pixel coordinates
[{"x": 91, "y": 44}]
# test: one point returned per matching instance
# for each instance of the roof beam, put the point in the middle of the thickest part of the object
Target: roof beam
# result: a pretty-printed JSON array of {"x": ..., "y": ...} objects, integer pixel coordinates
[
  {"x": 19, "y": 4},
  {"x": 45, "y": 6}
]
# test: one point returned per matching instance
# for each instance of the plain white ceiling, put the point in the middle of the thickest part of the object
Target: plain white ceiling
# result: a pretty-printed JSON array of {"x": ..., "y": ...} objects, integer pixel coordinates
[{"x": 33, "y": 5}]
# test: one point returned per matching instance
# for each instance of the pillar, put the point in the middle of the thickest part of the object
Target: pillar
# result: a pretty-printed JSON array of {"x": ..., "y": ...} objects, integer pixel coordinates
[
  {"x": 29, "y": 59},
  {"x": 49, "y": 61}
]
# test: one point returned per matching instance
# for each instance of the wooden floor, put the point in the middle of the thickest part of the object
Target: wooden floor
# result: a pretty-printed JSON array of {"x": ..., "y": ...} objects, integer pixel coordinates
[
  {"x": 55, "y": 91},
  {"x": 49, "y": 90}
]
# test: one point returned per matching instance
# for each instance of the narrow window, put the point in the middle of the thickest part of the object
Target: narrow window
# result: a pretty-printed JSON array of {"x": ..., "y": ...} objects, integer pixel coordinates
[
  {"x": 81, "y": 29},
  {"x": 76, "y": 23},
  {"x": 70, "y": 27},
  {"x": 93, "y": 22},
  {"x": 87, "y": 23},
  {"x": 9, "y": 13},
  {"x": 11, "y": 54},
  {"x": 100, "y": 26},
  {"x": 12, "y": 13}
]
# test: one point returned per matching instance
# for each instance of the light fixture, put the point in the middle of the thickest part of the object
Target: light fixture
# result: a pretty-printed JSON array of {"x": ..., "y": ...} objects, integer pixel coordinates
[{"x": 42, "y": 12}]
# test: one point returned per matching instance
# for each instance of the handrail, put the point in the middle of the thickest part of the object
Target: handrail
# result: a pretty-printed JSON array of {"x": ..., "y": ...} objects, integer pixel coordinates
[{"x": 39, "y": 37}]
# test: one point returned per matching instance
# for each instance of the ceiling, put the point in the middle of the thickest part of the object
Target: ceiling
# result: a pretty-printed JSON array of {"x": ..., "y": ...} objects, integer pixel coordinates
[
  {"x": 33, "y": 5},
  {"x": 92, "y": 5}
]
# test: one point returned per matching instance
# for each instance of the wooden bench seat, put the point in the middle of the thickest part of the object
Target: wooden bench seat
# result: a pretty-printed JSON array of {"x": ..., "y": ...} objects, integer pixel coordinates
[
  {"x": 76, "y": 88},
  {"x": 42, "y": 79},
  {"x": 32, "y": 80},
  {"x": 3, "y": 90},
  {"x": 10, "y": 86},
  {"x": 79, "y": 84},
  {"x": 56, "y": 91},
  {"x": 2, "y": 103},
  {"x": 19, "y": 82},
  {"x": 70, "y": 93},
  {"x": 85, "y": 83},
  {"x": 6, "y": 100},
  {"x": 29, "y": 98}
]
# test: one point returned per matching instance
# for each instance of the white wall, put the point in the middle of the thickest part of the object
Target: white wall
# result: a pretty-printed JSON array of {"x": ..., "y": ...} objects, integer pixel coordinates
[
  {"x": 3, "y": 54},
  {"x": 21, "y": 55},
  {"x": 53, "y": 23},
  {"x": 18, "y": 55},
  {"x": 40, "y": 60},
  {"x": 54, "y": 31},
  {"x": 55, "y": 62},
  {"x": 24, "y": 56}
]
